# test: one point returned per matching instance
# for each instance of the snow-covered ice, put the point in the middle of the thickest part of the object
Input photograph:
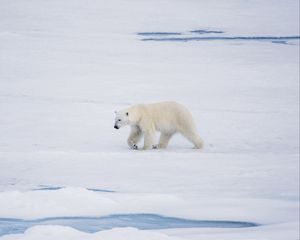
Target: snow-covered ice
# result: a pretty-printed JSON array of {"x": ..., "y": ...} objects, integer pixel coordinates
[{"x": 66, "y": 66}]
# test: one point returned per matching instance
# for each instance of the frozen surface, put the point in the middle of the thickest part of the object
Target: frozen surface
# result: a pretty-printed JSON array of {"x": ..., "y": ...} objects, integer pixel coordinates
[{"x": 67, "y": 65}]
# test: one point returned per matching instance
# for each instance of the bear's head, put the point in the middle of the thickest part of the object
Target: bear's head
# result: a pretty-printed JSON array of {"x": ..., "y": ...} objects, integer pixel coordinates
[{"x": 122, "y": 119}]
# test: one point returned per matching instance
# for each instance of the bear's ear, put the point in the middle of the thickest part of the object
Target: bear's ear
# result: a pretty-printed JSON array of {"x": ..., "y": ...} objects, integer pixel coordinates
[{"x": 127, "y": 114}]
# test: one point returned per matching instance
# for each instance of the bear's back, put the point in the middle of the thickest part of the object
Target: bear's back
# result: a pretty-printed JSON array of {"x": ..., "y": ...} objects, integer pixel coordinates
[{"x": 169, "y": 113}]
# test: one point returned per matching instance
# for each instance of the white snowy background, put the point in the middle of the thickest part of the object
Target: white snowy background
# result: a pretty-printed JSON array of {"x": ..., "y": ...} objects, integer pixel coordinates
[{"x": 67, "y": 65}]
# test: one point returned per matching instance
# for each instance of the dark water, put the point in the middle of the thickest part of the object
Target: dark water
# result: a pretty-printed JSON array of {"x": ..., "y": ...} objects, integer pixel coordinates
[
  {"x": 280, "y": 42},
  {"x": 205, "y": 36},
  {"x": 94, "y": 224},
  {"x": 100, "y": 190},
  {"x": 273, "y": 39},
  {"x": 158, "y": 33},
  {"x": 202, "y": 31},
  {"x": 53, "y": 188},
  {"x": 47, "y": 188}
]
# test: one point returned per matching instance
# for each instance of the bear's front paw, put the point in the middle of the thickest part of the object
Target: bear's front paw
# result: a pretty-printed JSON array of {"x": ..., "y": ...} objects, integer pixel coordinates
[{"x": 135, "y": 147}]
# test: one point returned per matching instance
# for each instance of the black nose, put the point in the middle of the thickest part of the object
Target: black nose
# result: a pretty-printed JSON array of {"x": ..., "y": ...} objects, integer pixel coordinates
[{"x": 116, "y": 127}]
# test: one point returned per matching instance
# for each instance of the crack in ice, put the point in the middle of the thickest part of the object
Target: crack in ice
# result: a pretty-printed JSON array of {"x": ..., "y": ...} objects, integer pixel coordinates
[{"x": 94, "y": 224}]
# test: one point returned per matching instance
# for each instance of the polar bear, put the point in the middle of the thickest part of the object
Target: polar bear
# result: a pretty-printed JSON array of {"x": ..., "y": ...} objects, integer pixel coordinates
[{"x": 166, "y": 117}]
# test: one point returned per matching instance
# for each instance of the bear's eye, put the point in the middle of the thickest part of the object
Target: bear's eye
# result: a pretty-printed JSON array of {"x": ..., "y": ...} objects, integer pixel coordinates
[{"x": 119, "y": 120}]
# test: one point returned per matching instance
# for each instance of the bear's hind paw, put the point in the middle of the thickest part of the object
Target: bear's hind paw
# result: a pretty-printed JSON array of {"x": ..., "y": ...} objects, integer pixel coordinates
[{"x": 134, "y": 147}]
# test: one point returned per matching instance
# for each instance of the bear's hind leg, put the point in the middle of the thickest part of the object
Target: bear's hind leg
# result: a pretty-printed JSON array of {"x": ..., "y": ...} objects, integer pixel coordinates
[
  {"x": 194, "y": 138},
  {"x": 134, "y": 137},
  {"x": 164, "y": 139},
  {"x": 198, "y": 142}
]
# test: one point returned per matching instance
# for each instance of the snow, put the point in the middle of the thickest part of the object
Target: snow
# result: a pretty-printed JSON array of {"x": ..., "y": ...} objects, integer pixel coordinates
[
  {"x": 66, "y": 66},
  {"x": 56, "y": 232}
]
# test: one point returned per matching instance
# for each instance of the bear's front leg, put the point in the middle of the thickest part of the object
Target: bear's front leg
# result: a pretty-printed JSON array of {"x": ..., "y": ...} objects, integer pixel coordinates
[
  {"x": 149, "y": 140},
  {"x": 134, "y": 137}
]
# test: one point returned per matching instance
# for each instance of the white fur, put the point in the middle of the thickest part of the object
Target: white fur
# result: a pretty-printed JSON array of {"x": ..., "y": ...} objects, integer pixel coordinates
[{"x": 166, "y": 117}]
